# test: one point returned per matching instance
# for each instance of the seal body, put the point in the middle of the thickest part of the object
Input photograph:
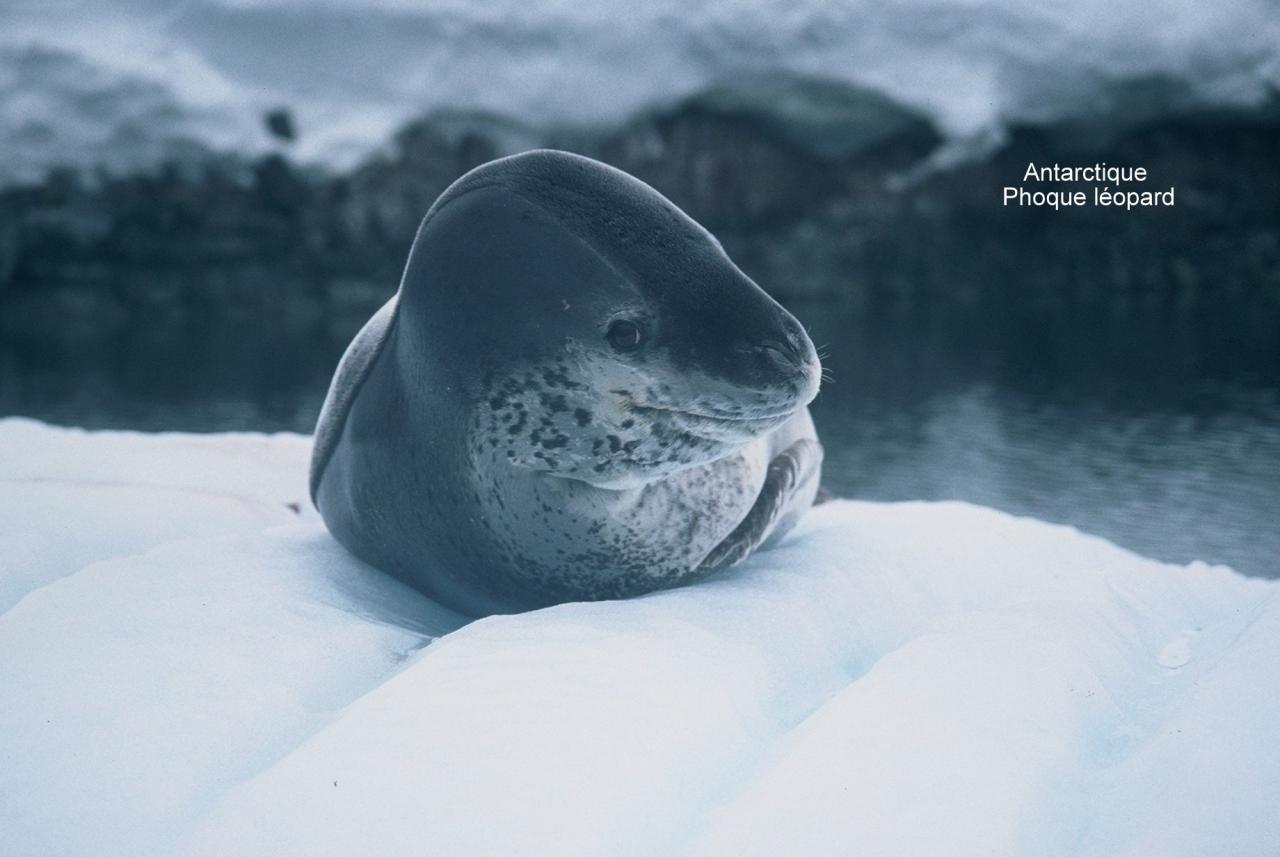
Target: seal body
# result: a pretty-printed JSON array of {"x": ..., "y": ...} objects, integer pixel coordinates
[{"x": 574, "y": 395}]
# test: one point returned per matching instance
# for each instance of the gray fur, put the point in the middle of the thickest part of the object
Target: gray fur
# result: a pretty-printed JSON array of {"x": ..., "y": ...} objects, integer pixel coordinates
[
  {"x": 354, "y": 367},
  {"x": 484, "y": 441}
]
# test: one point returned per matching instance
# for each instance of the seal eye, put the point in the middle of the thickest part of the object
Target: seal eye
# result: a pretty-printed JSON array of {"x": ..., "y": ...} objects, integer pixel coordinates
[{"x": 624, "y": 335}]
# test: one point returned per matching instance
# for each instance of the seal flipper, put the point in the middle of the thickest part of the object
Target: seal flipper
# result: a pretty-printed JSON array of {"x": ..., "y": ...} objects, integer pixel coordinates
[
  {"x": 788, "y": 470},
  {"x": 353, "y": 368}
]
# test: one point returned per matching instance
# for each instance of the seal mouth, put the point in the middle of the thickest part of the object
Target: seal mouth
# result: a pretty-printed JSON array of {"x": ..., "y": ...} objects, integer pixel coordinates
[
  {"x": 717, "y": 426},
  {"x": 714, "y": 417}
]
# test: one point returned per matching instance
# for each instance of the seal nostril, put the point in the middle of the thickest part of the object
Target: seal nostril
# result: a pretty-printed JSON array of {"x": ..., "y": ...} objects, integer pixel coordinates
[{"x": 784, "y": 355}]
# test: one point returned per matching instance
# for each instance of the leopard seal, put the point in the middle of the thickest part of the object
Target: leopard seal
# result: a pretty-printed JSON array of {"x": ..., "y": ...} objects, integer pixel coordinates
[{"x": 574, "y": 395}]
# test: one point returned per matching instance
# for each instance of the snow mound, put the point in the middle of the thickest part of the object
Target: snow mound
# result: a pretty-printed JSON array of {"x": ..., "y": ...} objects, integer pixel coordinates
[
  {"x": 894, "y": 679},
  {"x": 69, "y": 498}
]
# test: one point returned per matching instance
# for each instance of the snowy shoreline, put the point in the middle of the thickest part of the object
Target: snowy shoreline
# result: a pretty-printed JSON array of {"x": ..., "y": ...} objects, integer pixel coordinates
[
  {"x": 192, "y": 666},
  {"x": 116, "y": 82}
]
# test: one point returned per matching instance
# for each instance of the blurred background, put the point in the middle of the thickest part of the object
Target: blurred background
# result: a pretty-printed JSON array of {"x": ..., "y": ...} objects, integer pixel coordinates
[{"x": 201, "y": 202}]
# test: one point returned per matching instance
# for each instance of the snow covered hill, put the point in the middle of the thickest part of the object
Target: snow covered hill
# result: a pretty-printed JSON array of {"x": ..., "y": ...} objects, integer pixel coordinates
[
  {"x": 128, "y": 81},
  {"x": 190, "y": 666}
]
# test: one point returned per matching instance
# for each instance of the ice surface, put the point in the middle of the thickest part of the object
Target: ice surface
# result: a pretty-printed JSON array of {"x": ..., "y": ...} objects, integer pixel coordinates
[
  {"x": 123, "y": 81},
  {"x": 69, "y": 498},
  {"x": 894, "y": 679}
]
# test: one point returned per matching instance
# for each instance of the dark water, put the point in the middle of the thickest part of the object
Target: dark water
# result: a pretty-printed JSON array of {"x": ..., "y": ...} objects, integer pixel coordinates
[
  {"x": 1117, "y": 431},
  {"x": 1160, "y": 434}
]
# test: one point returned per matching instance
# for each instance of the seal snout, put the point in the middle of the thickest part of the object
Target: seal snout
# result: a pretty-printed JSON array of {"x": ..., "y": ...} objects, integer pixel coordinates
[{"x": 784, "y": 360}]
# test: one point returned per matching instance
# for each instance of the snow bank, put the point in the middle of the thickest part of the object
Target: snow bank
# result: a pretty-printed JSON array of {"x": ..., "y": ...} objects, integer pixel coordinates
[
  {"x": 123, "y": 81},
  {"x": 894, "y": 679}
]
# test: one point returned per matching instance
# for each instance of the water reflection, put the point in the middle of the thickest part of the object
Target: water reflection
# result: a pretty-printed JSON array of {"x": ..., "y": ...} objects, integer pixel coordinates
[
  {"x": 1175, "y": 487},
  {"x": 1174, "y": 458}
]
